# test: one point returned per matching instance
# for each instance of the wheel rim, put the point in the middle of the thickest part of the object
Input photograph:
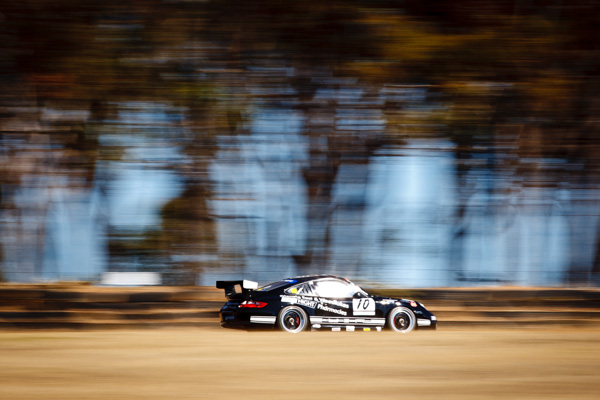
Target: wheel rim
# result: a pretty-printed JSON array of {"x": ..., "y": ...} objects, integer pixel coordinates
[
  {"x": 293, "y": 321},
  {"x": 402, "y": 320}
]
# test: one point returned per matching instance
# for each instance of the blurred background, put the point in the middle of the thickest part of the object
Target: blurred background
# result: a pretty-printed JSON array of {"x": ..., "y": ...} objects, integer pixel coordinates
[{"x": 406, "y": 143}]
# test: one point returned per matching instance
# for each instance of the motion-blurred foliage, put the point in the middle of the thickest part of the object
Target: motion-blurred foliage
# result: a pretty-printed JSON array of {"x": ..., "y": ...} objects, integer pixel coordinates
[{"x": 514, "y": 86}]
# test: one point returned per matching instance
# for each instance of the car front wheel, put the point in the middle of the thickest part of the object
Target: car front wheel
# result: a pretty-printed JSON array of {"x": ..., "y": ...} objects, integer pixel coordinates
[
  {"x": 292, "y": 319},
  {"x": 401, "y": 319}
]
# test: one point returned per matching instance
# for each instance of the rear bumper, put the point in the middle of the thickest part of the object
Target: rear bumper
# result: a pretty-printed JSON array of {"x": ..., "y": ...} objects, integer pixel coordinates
[
  {"x": 234, "y": 319},
  {"x": 237, "y": 319}
]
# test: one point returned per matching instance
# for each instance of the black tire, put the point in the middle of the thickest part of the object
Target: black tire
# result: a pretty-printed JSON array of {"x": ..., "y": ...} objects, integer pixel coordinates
[
  {"x": 401, "y": 319},
  {"x": 292, "y": 319}
]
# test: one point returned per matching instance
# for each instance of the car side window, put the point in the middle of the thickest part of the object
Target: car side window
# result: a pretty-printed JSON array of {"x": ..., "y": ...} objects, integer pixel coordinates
[
  {"x": 333, "y": 288},
  {"x": 303, "y": 289}
]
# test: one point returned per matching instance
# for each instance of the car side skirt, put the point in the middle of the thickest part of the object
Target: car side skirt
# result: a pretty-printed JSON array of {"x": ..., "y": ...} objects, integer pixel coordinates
[{"x": 347, "y": 321}]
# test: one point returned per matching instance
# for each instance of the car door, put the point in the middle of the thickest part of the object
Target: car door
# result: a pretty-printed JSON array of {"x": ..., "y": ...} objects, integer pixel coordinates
[{"x": 334, "y": 297}]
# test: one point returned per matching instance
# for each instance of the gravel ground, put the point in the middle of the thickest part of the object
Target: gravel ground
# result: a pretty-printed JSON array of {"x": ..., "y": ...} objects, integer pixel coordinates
[{"x": 214, "y": 363}]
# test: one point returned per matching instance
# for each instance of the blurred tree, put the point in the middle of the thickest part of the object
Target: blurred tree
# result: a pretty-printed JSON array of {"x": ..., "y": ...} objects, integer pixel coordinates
[{"x": 517, "y": 81}]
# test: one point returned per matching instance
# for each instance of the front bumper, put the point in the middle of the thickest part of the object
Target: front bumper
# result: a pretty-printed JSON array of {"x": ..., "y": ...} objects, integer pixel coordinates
[{"x": 427, "y": 323}]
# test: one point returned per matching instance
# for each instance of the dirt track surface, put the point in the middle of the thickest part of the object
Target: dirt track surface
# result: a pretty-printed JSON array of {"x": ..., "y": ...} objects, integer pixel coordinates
[{"x": 185, "y": 363}]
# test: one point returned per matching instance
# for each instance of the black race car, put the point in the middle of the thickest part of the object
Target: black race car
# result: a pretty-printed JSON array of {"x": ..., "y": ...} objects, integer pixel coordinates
[{"x": 318, "y": 301}]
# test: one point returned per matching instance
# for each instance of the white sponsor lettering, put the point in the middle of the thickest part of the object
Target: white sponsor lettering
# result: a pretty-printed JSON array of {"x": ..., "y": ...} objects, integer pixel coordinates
[
  {"x": 289, "y": 299},
  {"x": 334, "y": 303},
  {"x": 332, "y": 310},
  {"x": 307, "y": 303}
]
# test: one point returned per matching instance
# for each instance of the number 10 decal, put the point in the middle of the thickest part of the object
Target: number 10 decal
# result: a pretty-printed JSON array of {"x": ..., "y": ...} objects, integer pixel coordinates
[{"x": 364, "y": 306}]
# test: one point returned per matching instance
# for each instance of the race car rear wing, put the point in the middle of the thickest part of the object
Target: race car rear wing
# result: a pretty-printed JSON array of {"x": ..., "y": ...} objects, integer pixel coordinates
[{"x": 237, "y": 289}]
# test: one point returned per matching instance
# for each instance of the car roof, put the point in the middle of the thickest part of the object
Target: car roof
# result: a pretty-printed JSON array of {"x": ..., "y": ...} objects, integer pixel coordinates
[
  {"x": 305, "y": 278},
  {"x": 285, "y": 283}
]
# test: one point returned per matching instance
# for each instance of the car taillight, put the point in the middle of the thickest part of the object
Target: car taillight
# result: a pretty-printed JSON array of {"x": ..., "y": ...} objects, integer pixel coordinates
[{"x": 252, "y": 304}]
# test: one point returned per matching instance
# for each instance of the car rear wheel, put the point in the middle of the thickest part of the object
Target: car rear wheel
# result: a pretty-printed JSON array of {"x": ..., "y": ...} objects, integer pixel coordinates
[
  {"x": 401, "y": 319},
  {"x": 292, "y": 319}
]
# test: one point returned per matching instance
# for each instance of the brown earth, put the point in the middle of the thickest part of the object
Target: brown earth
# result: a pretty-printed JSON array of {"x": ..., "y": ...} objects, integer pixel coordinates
[
  {"x": 553, "y": 362},
  {"x": 512, "y": 343}
]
